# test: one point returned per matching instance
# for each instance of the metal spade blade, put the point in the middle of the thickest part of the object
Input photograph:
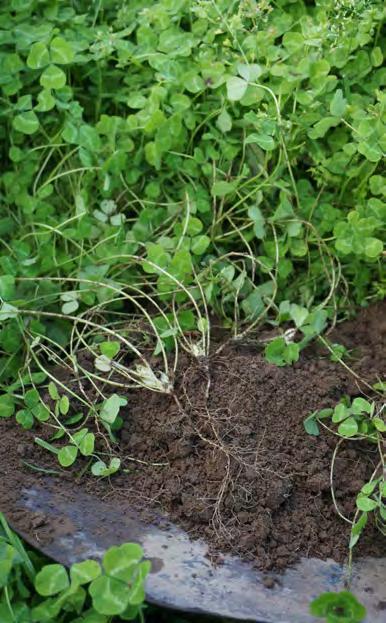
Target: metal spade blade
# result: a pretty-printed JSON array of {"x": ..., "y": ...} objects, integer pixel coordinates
[{"x": 76, "y": 526}]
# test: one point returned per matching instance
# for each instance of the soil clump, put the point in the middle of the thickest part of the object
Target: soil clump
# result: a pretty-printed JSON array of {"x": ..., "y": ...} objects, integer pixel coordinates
[{"x": 228, "y": 458}]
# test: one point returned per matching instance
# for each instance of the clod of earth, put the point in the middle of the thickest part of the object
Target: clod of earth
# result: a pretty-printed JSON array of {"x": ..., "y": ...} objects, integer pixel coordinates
[{"x": 234, "y": 465}]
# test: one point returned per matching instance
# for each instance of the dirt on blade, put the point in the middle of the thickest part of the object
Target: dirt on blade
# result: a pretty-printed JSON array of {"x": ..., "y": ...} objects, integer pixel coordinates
[{"x": 228, "y": 457}]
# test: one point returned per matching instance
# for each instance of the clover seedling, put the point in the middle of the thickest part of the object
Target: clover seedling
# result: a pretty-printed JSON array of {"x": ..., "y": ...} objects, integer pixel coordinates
[
  {"x": 311, "y": 422},
  {"x": 88, "y": 592},
  {"x": 338, "y": 352},
  {"x": 359, "y": 420},
  {"x": 380, "y": 386},
  {"x": 83, "y": 442},
  {"x": 355, "y": 418},
  {"x": 34, "y": 408},
  {"x": 338, "y": 608},
  {"x": 281, "y": 353},
  {"x": 102, "y": 470},
  {"x": 109, "y": 412},
  {"x": 62, "y": 403},
  {"x": 108, "y": 213},
  {"x": 121, "y": 587},
  {"x": 70, "y": 302},
  {"x": 283, "y": 350},
  {"x": 115, "y": 588}
]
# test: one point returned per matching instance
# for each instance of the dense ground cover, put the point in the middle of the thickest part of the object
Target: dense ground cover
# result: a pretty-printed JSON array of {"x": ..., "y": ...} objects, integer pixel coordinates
[{"x": 175, "y": 166}]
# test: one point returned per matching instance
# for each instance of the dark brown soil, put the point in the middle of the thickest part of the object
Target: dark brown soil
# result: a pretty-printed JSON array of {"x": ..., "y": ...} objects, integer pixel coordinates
[{"x": 230, "y": 461}]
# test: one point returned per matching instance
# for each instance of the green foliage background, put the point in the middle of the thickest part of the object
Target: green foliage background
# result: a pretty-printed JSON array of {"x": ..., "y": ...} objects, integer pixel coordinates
[{"x": 237, "y": 143}]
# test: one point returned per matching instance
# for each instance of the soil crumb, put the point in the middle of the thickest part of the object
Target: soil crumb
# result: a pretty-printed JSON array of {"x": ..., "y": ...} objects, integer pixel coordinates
[{"x": 228, "y": 458}]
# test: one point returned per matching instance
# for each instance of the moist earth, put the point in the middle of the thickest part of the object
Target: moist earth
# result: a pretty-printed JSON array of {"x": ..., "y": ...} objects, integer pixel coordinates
[{"x": 228, "y": 459}]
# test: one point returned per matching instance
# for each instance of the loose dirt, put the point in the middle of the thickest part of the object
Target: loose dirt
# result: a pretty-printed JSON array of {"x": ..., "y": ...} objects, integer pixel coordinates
[{"x": 229, "y": 459}]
